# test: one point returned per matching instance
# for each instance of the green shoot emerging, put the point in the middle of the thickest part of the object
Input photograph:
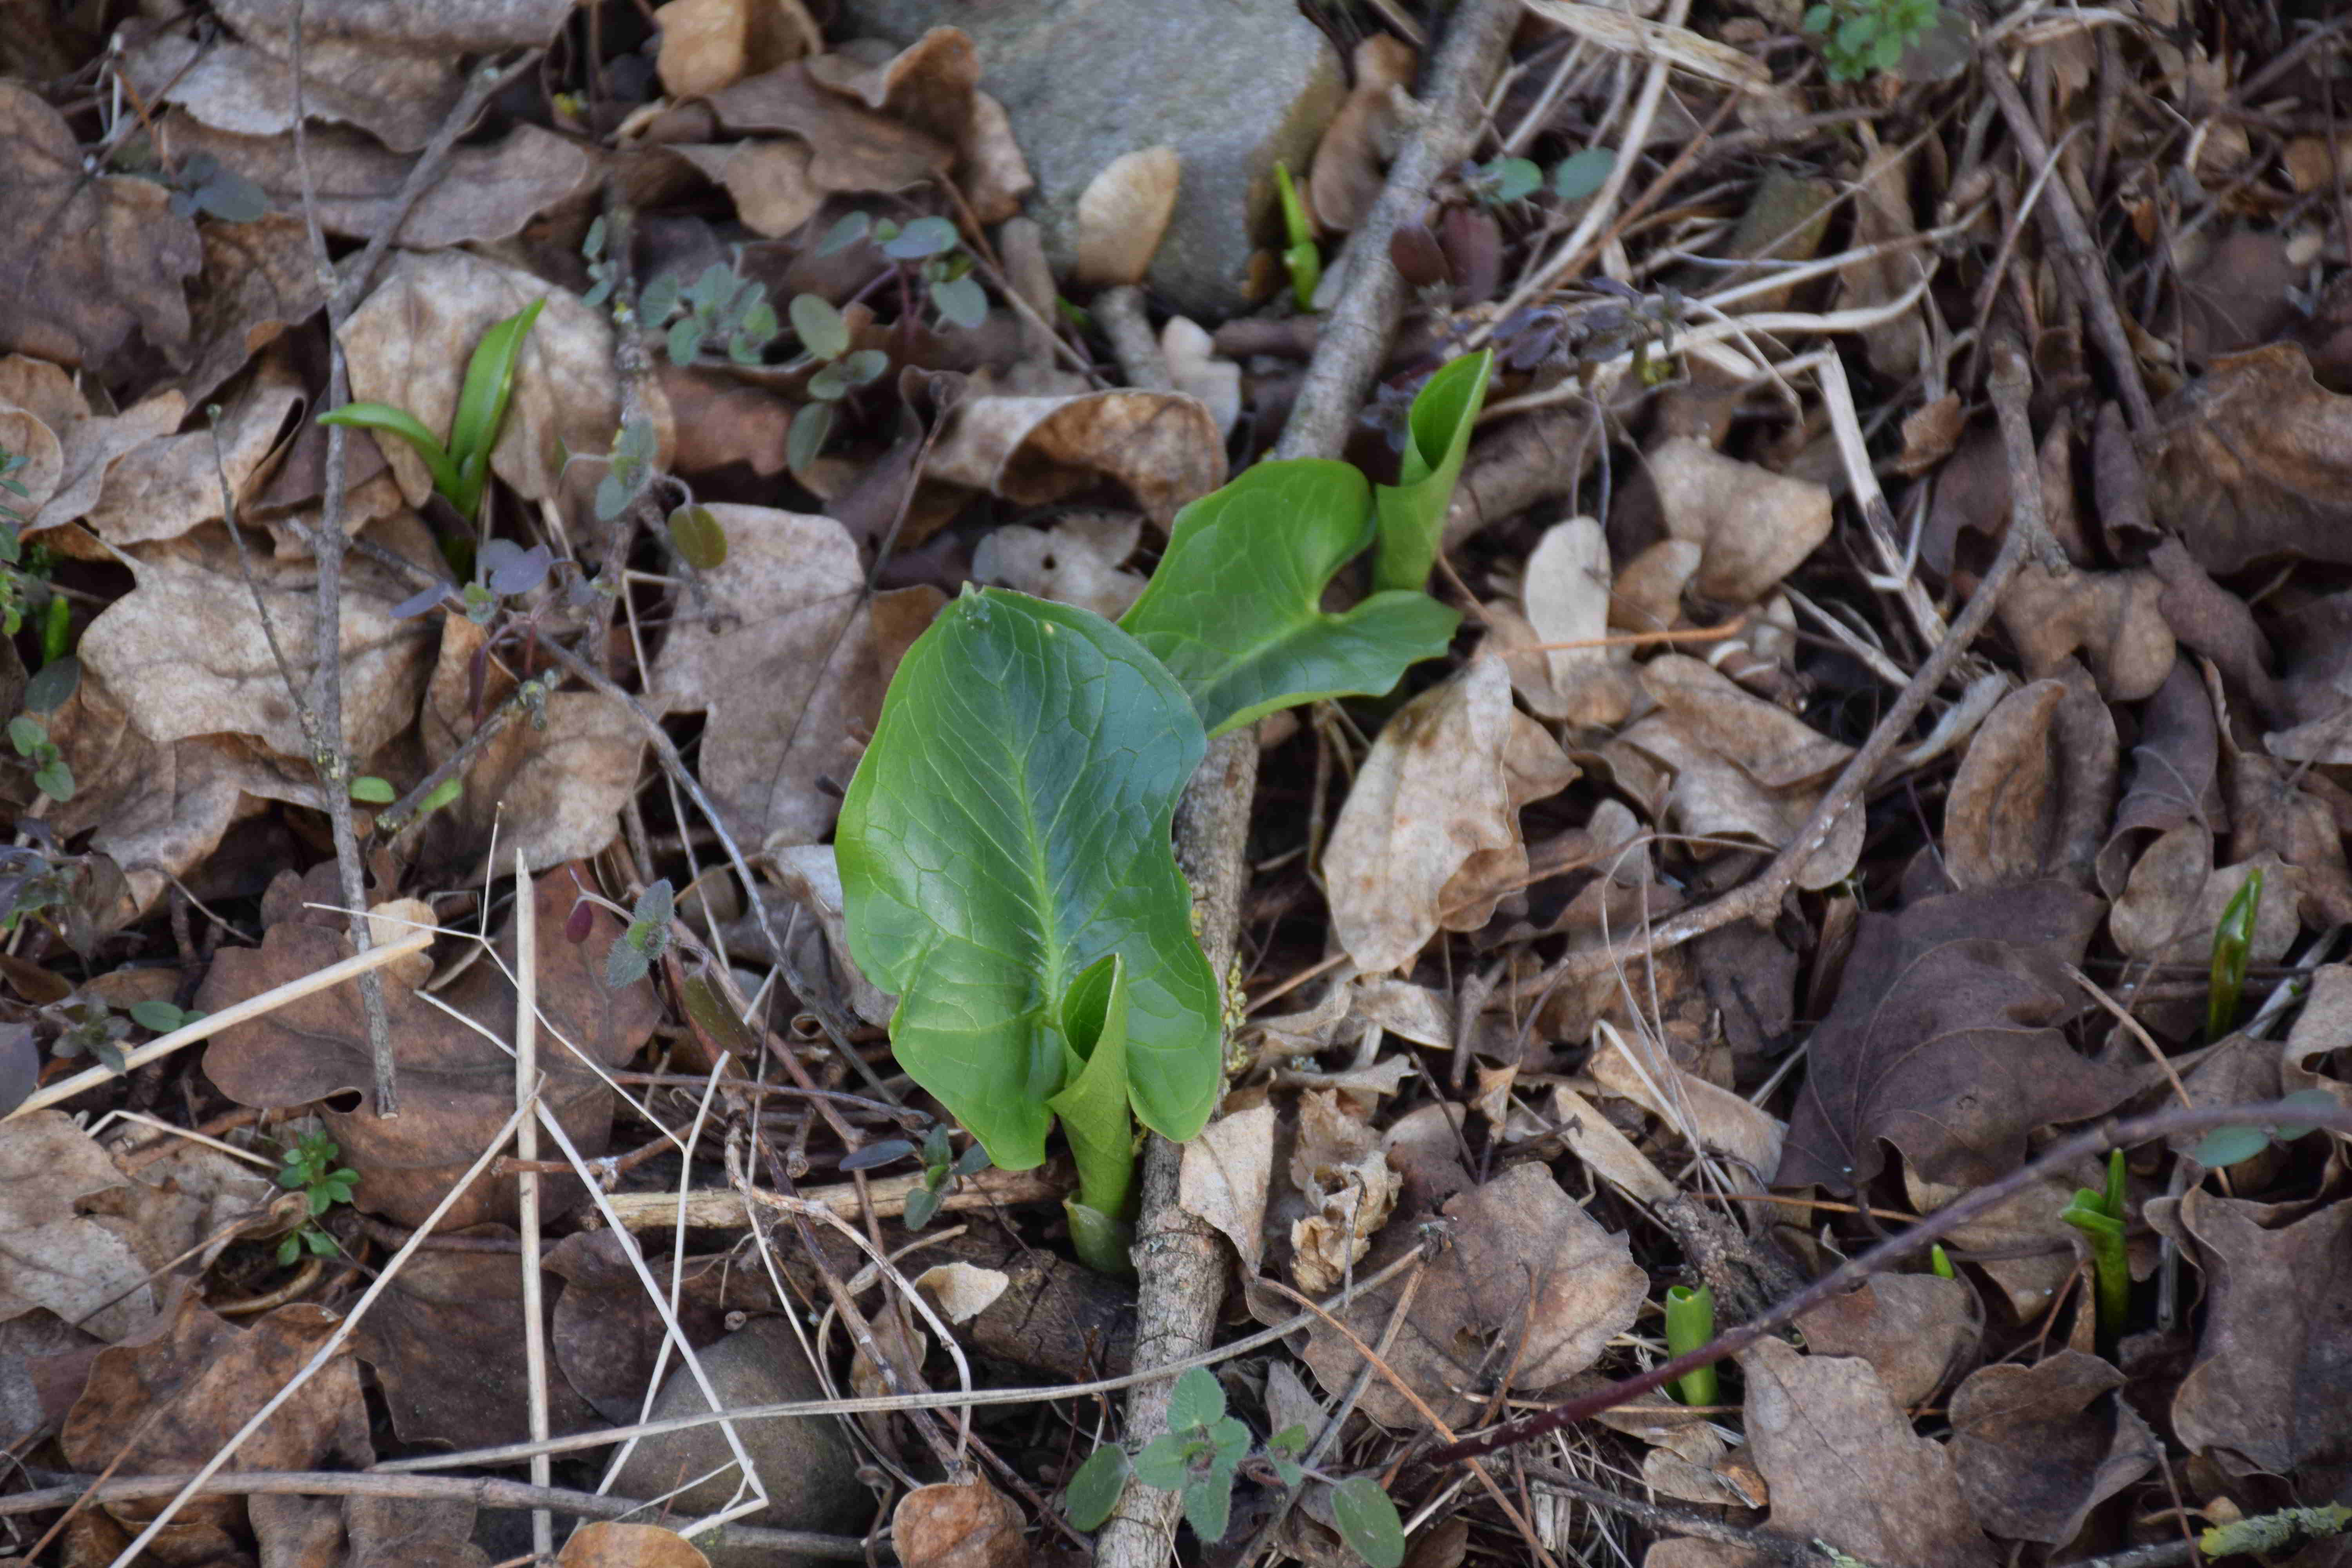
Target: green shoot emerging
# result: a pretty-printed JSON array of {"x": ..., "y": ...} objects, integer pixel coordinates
[{"x": 460, "y": 469}]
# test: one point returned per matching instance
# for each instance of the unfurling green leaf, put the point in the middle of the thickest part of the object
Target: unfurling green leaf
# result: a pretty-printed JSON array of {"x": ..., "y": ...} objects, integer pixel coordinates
[
  {"x": 1234, "y": 610},
  {"x": 482, "y": 403},
  {"x": 981, "y": 906},
  {"x": 1412, "y": 510},
  {"x": 386, "y": 419}
]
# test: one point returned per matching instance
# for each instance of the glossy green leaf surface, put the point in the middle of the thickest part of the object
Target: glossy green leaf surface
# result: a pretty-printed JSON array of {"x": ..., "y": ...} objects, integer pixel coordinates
[
  {"x": 400, "y": 421},
  {"x": 490, "y": 386},
  {"x": 1007, "y": 830},
  {"x": 1092, "y": 1105},
  {"x": 1412, "y": 510},
  {"x": 1234, "y": 610}
]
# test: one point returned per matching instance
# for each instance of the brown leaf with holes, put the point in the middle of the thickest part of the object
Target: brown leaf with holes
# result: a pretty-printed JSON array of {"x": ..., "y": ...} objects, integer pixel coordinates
[
  {"x": 2034, "y": 790},
  {"x": 2248, "y": 462},
  {"x": 1162, "y": 447},
  {"x": 1532, "y": 1289},
  {"x": 1844, "y": 1468},
  {"x": 89, "y": 264},
  {"x": 457, "y": 1086},
  {"x": 165, "y": 1403},
  {"x": 2038, "y": 1448},
  {"x": 1947, "y": 1041}
]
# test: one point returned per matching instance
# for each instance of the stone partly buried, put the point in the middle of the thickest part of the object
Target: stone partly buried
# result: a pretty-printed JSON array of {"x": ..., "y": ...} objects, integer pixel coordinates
[{"x": 1232, "y": 84}]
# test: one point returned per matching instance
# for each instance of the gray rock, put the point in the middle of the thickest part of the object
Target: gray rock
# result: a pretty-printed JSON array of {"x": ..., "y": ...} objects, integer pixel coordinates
[
  {"x": 807, "y": 1464},
  {"x": 1232, "y": 84}
]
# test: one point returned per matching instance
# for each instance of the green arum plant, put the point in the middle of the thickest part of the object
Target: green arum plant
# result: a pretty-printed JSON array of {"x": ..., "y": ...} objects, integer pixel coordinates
[
  {"x": 1690, "y": 1323},
  {"x": 1300, "y": 256},
  {"x": 460, "y": 469},
  {"x": 1202, "y": 1454},
  {"x": 2099, "y": 1215},
  {"x": 310, "y": 1169},
  {"x": 2233, "y": 944},
  {"x": 1004, "y": 849}
]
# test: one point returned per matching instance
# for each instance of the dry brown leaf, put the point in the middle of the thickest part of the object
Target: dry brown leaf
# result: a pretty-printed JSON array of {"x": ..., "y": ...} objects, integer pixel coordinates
[
  {"x": 1122, "y": 214},
  {"x": 770, "y": 180},
  {"x": 1931, "y": 432},
  {"x": 165, "y": 1402},
  {"x": 1914, "y": 1331},
  {"x": 811, "y": 878},
  {"x": 1844, "y": 1468},
  {"x": 2166, "y": 912},
  {"x": 89, "y": 446},
  {"x": 1566, "y": 590},
  {"x": 852, "y": 147},
  {"x": 59, "y": 1258},
  {"x": 87, "y": 263},
  {"x": 25, "y": 435},
  {"x": 961, "y": 1291},
  {"x": 1648, "y": 595},
  {"x": 709, "y": 44},
  {"x": 958, "y": 1524},
  {"x": 1755, "y": 525},
  {"x": 2175, "y": 773},
  {"x": 1164, "y": 447},
  {"x": 1706, "y": 1113},
  {"x": 2248, "y": 462},
  {"x": 604, "y": 1336},
  {"x": 1882, "y": 217},
  {"x": 550, "y": 791},
  {"x": 611, "y": 1543},
  {"x": 1224, "y": 1178},
  {"x": 1431, "y": 824},
  {"x": 1592, "y": 1138},
  {"x": 1532, "y": 1287},
  {"x": 787, "y": 666},
  {"x": 2038, "y": 1448},
  {"x": 2113, "y": 619},
  {"x": 459, "y": 1085},
  {"x": 2033, "y": 794},
  {"x": 1194, "y": 366},
  {"x": 409, "y": 341},
  {"x": 169, "y": 484},
  {"x": 1947, "y": 1040},
  {"x": 1076, "y": 562},
  {"x": 1339, "y": 1168},
  {"x": 486, "y": 191},
  {"x": 2272, "y": 1384},
  {"x": 185, "y": 654},
  {"x": 1351, "y": 159}
]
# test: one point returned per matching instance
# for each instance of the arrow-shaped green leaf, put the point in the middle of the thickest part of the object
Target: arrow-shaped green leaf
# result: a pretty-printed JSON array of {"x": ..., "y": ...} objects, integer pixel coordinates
[{"x": 1412, "y": 510}]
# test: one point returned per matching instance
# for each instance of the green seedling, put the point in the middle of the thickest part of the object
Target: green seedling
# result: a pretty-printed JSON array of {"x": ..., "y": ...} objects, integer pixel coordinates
[
  {"x": 2100, "y": 1217},
  {"x": 311, "y": 1170},
  {"x": 1690, "y": 1323},
  {"x": 1579, "y": 175},
  {"x": 928, "y": 252},
  {"x": 1939, "y": 1262},
  {"x": 21, "y": 569},
  {"x": 1300, "y": 256},
  {"x": 2228, "y": 1145},
  {"x": 461, "y": 470},
  {"x": 1202, "y": 1454},
  {"x": 1860, "y": 37},
  {"x": 1034, "y": 926},
  {"x": 46, "y": 693},
  {"x": 1437, "y": 438},
  {"x": 2233, "y": 942},
  {"x": 1503, "y": 180},
  {"x": 942, "y": 1166},
  {"x": 647, "y": 938}
]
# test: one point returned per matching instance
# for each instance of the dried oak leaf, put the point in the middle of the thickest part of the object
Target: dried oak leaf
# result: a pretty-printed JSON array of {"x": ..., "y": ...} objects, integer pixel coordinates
[
  {"x": 1844, "y": 1467},
  {"x": 1945, "y": 1040},
  {"x": 485, "y": 192},
  {"x": 409, "y": 341},
  {"x": 1914, "y": 1331},
  {"x": 851, "y": 148},
  {"x": 1532, "y": 1289},
  {"x": 2167, "y": 910},
  {"x": 2038, "y": 1448},
  {"x": 2272, "y": 1384},
  {"x": 1430, "y": 833},
  {"x": 2031, "y": 796},
  {"x": 58, "y": 1257},
  {"x": 2113, "y": 619},
  {"x": 2248, "y": 461},
  {"x": 446, "y": 1341},
  {"x": 458, "y": 1087},
  {"x": 933, "y": 84},
  {"x": 169, "y": 484},
  {"x": 87, "y": 261},
  {"x": 1754, "y": 525},
  {"x": 90, "y": 445},
  {"x": 258, "y": 280},
  {"x": 1351, "y": 159},
  {"x": 788, "y": 663},
  {"x": 1164, "y": 447},
  {"x": 166, "y": 1402},
  {"x": 186, "y": 654},
  {"x": 611, "y": 1543},
  {"x": 551, "y": 792}
]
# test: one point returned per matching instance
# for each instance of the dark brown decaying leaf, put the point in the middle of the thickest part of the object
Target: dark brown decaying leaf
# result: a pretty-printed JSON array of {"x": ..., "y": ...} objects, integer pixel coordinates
[
  {"x": 1948, "y": 1043},
  {"x": 1532, "y": 1283},
  {"x": 605, "y": 1336},
  {"x": 2272, "y": 1384},
  {"x": 1915, "y": 1330},
  {"x": 2033, "y": 790},
  {"x": 2038, "y": 1448},
  {"x": 2174, "y": 775},
  {"x": 2249, "y": 462},
  {"x": 2115, "y": 620},
  {"x": 86, "y": 262}
]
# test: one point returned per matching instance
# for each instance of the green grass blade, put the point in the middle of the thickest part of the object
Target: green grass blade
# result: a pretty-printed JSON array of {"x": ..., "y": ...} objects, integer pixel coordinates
[{"x": 384, "y": 420}]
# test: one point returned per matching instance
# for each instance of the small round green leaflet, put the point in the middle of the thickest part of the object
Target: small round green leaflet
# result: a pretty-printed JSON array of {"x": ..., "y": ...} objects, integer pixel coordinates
[
  {"x": 1368, "y": 1521},
  {"x": 1095, "y": 1489},
  {"x": 1579, "y": 175},
  {"x": 700, "y": 541},
  {"x": 1197, "y": 1400},
  {"x": 1007, "y": 830}
]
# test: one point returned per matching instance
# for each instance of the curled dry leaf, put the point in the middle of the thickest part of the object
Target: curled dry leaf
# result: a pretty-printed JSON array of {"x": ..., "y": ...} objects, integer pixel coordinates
[
  {"x": 611, "y": 1543},
  {"x": 2166, "y": 912},
  {"x": 409, "y": 341},
  {"x": 169, "y": 484},
  {"x": 1754, "y": 525},
  {"x": 1429, "y": 832},
  {"x": 460, "y": 1085},
  {"x": 1566, "y": 592},
  {"x": 1914, "y": 1331},
  {"x": 1945, "y": 1040},
  {"x": 1704, "y": 1113},
  {"x": 2272, "y": 1384},
  {"x": 1123, "y": 212},
  {"x": 1076, "y": 562},
  {"x": 851, "y": 147},
  {"x": 1351, "y": 159},
  {"x": 1532, "y": 1284},
  {"x": 961, "y": 1291},
  {"x": 1224, "y": 1175},
  {"x": 165, "y": 1402},
  {"x": 933, "y": 84},
  {"x": 486, "y": 191},
  {"x": 787, "y": 664},
  {"x": 709, "y": 44},
  {"x": 1338, "y": 1167},
  {"x": 1164, "y": 447},
  {"x": 88, "y": 264},
  {"x": 958, "y": 1524},
  {"x": 2248, "y": 461},
  {"x": 2038, "y": 1448},
  {"x": 2113, "y": 619},
  {"x": 2175, "y": 773},
  {"x": 1844, "y": 1467},
  {"x": 2034, "y": 790}
]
